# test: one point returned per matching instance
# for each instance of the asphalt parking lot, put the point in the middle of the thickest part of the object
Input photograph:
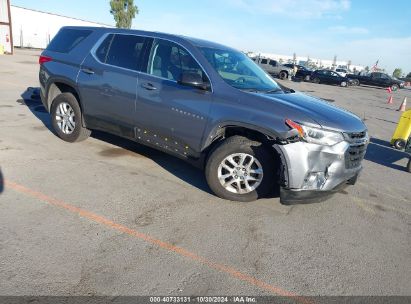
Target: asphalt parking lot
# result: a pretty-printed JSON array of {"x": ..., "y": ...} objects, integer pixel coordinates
[{"x": 110, "y": 217}]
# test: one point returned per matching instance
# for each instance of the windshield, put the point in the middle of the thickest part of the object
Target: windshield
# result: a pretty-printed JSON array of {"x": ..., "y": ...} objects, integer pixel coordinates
[{"x": 239, "y": 71}]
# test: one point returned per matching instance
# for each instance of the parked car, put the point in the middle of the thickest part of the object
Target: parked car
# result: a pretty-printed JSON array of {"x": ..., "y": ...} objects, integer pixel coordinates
[
  {"x": 342, "y": 72},
  {"x": 378, "y": 79},
  {"x": 205, "y": 103},
  {"x": 274, "y": 68},
  {"x": 302, "y": 71},
  {"x": 330, "y": 77}
]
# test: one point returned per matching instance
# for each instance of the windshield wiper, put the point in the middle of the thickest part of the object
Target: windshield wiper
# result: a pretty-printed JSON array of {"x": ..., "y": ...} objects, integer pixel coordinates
[
  {"x": 252, "y": 90},
  {"x": 284, "y": 89},
  {"x": 273, "y": 91}
]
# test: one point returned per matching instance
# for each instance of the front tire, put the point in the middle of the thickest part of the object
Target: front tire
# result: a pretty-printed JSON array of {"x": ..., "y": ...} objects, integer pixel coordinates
[
  {"x": 316, "y": 80},
  {"x": 344, "y": 84},
  {"x": 240, "y": 170},
  {"x": 66, "y": 118}
]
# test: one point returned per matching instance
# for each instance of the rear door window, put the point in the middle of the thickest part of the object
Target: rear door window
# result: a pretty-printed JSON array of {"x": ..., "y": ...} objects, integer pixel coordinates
[
  {"x": 264, "y": 61},
  {"x": 67, "y": 39},
  {"x": 126, "y": 51}
]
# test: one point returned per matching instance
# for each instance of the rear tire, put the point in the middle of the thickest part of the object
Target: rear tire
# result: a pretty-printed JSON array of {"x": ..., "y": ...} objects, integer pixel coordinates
[
  {"x": 283, "y": 75},
  {"x": 66, "y": 117},
  {"x": 316, "y": 80},
  {"x": 240, "y": 170},
  {"x": 344, "y": 84},
  {"x": 399, "y": 144}
]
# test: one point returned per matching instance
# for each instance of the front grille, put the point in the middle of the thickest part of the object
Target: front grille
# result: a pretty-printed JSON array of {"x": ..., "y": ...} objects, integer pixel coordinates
[
  {"x": 356, "y": 151},
  {"x": 356, "y": 135}
]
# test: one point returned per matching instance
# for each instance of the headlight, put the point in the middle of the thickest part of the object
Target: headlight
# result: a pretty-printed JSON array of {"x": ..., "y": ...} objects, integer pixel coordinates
[
  {"x": 316, "y": 135},
  {"x": 322, "y": 137}
]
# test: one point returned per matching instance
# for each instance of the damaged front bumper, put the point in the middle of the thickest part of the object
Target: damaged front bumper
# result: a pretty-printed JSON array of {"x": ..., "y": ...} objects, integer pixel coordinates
[{"x": 314, "y": 172}]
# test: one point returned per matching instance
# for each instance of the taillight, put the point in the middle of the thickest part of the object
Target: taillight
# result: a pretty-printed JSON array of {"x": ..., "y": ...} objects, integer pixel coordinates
[
  {"x": 294, "y": 125},
  {"x": 43, "y": 59}
]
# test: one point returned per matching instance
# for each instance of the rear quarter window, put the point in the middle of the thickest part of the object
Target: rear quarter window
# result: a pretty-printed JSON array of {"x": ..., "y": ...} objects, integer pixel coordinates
[
  {"x": 67, "y": 39},
  {"x": 126, "y": 51}
]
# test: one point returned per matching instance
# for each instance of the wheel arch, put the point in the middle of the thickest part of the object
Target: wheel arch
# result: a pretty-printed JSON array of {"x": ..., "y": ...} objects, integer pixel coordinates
[
  {"x": 58, "y": 87},
  {"x": 269, "y": 139}
]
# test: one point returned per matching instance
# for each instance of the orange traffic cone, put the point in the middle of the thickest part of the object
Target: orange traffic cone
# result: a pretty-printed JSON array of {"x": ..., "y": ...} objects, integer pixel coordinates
[
  {"x": 403, "y": 105},
  {"x": 389, "y": 101},
  {"x": 389, "y": 90}
]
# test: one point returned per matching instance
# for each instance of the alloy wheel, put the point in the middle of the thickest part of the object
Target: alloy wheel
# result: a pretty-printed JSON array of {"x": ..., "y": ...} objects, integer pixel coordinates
[
  {"x": 65, "y": 118},
  {"x": 240, "y": 173}
]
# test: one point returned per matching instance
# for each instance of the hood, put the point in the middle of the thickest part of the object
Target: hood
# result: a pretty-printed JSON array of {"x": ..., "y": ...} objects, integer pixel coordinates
[{"x": 323, "y": 113}]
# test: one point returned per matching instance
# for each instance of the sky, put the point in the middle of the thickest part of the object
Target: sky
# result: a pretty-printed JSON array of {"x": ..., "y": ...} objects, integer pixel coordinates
[{"x": 362, "y": 31}]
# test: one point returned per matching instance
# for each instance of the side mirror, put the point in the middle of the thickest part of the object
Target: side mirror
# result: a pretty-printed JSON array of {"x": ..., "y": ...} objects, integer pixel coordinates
[{"x": 194, "y": 80}]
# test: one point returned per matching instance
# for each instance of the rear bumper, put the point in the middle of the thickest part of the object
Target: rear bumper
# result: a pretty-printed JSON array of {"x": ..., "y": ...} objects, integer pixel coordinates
[
  {"x": 43, "y": 100},
  {"x": 315, "y": 172}
]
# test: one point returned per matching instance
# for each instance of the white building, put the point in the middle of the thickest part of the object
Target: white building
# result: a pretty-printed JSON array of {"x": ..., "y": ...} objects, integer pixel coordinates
[
  {"x": 302, "y": 60},
  {"x": 32, "y": 28},
  {"x": 5, "y": 35}
]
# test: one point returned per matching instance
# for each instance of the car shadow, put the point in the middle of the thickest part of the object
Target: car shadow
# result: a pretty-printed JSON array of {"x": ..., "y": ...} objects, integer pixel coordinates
[
  {"x": 31, "y": 98},
  {"x": 381, "y": 152},
  {"x": 1, "y": 182},
  {"x": 178, "y": 167}
]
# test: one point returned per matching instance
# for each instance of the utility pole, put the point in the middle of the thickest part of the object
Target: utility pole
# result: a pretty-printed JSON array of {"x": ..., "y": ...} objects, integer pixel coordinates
[{"x": 335, "y": 61}]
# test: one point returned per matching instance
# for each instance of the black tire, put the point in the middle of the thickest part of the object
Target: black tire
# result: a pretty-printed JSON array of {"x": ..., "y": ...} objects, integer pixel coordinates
[
  {"x": 307, "y": 78},
  {"x": 395, "y": 87},
  {"x": 399, "y": 144},
  {"x": 316, "y": 80},
  {"x": 283, "y": 75},
  {"x": 409, "y": 165},
  {"x": 239, "y": 144},
  {"x": 356, "y": 82},
  {"x": 79, "y": 132}
]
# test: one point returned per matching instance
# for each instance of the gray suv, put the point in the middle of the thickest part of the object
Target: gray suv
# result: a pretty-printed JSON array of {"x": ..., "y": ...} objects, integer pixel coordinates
[{"x": 203, "y": 102}]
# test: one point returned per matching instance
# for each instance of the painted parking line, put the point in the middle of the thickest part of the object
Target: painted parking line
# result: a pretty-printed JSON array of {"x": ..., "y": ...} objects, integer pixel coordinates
[{"x": 164, "y": 245}]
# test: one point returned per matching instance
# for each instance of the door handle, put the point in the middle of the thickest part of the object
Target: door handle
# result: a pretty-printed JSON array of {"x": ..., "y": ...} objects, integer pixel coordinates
[
  {"x": 87, "y": 71},
  {"x": 149, "y": 86}
]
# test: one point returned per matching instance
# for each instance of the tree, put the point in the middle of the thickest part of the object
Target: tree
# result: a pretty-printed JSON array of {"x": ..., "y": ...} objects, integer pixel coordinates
[
  {"x": 124, "y": 12},
  {"x": 397, "y": 73}
]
